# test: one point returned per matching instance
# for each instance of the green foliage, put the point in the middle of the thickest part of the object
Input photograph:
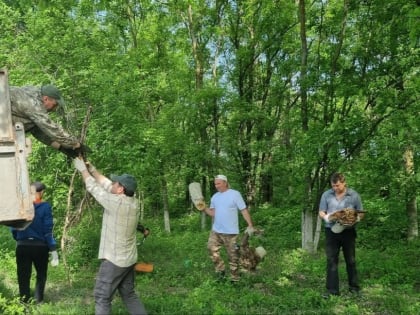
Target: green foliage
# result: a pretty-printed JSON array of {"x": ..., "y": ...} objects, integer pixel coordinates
[
  {"x": 11, "y": 307},
  {"x": 220, "y": 93},
  {"x": 83, "y": 240},
  {"x": 183, "y": 281},
  {"x": 182, "y": 95}
]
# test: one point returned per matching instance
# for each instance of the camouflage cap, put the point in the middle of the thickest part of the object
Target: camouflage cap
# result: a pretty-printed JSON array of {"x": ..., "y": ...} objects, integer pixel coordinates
[
  {"x": 53, "y": 92},
  {"x": 126, "y": 180}
]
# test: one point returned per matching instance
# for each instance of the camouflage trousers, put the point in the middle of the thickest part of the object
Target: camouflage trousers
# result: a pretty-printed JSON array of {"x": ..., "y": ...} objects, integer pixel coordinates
[{"x": 229, "y": 241}]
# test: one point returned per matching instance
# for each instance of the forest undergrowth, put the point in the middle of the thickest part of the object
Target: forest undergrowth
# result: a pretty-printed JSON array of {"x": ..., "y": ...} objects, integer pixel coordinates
[{"x": 288, "y": 281}]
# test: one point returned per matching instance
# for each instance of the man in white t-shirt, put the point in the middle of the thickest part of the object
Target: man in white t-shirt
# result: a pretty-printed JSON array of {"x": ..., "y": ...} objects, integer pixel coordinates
[{"x": 224, "y": 208}]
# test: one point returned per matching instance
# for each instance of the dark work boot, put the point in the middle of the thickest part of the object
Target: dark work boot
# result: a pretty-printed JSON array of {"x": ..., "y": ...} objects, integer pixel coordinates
[{"x": 220, "y": 276}]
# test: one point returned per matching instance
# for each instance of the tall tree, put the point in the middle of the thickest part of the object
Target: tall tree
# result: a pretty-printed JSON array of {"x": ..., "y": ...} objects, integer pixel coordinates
[
  {"x": 187, "y": 89},
  {"x": 348, "y": 87}
]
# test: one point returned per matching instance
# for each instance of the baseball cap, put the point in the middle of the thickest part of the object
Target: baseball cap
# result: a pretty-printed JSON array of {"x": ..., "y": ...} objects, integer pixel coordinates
[
  {"x": 52, "y": 91},
  {"x": 126, "y": 180},
  {"x": 222, "y": 177},
  {"x": 39, "y": 186}
]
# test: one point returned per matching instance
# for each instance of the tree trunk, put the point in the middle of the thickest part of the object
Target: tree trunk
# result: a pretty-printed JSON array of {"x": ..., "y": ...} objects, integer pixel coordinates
[
  {"x": 307, "y": 231},
  {"x": 317, "y": 233},
  {"x": 165, "y": 205},
  {"x": 197, "y": 47},
  {"x": 308, "y": 220},
  {"x": 413, "y": 226},
  {"x": 204, "y": 191},
  {"x": 411, "y": 201},
  {"x": 141, "y": 204},
  {"x": 307, "y": 216}
]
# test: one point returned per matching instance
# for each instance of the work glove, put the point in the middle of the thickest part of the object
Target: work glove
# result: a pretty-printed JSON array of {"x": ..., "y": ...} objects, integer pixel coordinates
[
  {"x": 79, "y": 164},
  {"x": 326, "y": 218},
  {"x": 74, "y": 153},
  {"x": 82, "y": 150},
  {"x": 250, "y": 230},
  {"x": 54, "y": 258},
  {"x": 71, "y": 153}
]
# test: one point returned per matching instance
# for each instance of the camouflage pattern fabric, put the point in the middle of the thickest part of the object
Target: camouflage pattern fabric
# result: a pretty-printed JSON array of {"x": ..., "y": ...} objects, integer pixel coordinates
[
  {"x": 27, "y": 108},
  {"x": 229, "y": 241}
]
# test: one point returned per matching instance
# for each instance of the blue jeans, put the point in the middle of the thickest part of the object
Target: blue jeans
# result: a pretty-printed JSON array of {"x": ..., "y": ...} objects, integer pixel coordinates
[
  {"x": 347, "y": 241},
  {"x": 111, "y": 278}
]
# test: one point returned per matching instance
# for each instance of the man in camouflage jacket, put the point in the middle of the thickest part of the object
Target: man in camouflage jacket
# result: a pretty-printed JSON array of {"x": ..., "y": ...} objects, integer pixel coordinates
[{"x": 30, "y": 105}]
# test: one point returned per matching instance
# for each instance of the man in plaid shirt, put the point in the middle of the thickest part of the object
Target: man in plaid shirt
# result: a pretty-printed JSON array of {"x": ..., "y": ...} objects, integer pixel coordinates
[{"x": 118, "y": 247}]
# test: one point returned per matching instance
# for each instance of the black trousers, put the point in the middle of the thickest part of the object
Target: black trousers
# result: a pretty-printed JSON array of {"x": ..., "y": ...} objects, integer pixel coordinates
[
  {"x": 26, "y": 255},
  {"x": 347, "y": 241}
]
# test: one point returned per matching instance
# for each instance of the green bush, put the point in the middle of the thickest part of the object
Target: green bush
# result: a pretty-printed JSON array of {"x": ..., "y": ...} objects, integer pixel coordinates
[
  {"x": 288, "y": 280},
  {"x": 12, "y": 306}
]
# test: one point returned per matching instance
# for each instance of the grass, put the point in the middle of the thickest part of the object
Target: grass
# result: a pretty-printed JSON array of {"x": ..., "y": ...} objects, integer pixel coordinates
[{"x": 288, "y": 281}]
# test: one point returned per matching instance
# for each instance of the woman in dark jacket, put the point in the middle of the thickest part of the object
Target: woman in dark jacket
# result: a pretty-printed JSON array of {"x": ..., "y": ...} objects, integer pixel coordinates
[{"x": 33, "y": 246}]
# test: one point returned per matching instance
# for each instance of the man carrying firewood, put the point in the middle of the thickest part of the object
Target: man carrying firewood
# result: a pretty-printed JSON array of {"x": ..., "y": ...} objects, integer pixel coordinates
[{"x": 341, "y": 208}]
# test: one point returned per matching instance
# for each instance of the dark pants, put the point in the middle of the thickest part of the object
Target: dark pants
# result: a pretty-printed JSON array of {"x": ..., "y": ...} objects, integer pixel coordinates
[
  {"x": 111, "y": 278},
  {"x": 347, "y": 241},
  {"x": 26, "y": 255}
]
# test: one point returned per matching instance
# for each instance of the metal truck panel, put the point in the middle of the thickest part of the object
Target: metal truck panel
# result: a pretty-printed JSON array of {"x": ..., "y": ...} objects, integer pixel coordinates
[{"x": 16, "y": 197}]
